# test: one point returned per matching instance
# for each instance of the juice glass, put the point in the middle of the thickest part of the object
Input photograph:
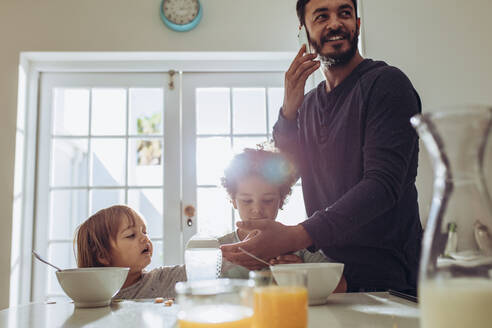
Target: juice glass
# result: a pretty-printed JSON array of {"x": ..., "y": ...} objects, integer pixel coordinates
[
  {"x": 282, "y": 305},
  {"x": 221, "y": 303}
]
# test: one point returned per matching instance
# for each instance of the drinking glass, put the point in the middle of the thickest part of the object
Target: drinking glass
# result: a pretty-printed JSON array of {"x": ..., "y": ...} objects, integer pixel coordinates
[
  {"x": 282, "y": 305},
  {"x": 220, "y": 303}
]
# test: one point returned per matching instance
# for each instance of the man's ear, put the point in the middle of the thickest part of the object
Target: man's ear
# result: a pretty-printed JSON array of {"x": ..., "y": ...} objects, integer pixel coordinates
[{"x": 103, "y": 260}]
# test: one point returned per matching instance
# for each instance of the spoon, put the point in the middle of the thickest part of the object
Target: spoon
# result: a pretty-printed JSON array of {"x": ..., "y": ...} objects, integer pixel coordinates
[
  {"x": 36, "y": 255},
  {"x": 253, "y": 256}
]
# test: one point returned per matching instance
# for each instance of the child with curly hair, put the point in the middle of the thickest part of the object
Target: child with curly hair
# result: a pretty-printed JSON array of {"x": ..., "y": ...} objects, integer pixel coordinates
[{"x": 258, "y": 182}]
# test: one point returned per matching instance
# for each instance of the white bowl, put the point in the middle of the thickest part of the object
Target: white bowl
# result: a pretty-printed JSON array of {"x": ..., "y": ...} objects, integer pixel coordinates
[
  {"x": 322, "y": 278},
  {"x": 92, "y": 287}
]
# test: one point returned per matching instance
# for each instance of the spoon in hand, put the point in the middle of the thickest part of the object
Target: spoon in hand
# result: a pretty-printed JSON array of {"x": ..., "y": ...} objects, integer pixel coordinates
[
  {"x": 36, "y": 255},
  {"x": 253, "y": 256}
]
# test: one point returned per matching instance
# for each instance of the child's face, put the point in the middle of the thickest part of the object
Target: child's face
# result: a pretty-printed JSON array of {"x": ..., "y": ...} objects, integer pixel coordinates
[
  {"x": 256, "y": 199},
  {"x": 132, "y": 247}
]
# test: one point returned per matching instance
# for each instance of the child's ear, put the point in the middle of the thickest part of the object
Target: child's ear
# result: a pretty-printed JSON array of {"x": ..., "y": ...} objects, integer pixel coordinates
[
  {"x": 103, "y": 260},
  {"x": 234, "y": 204}
]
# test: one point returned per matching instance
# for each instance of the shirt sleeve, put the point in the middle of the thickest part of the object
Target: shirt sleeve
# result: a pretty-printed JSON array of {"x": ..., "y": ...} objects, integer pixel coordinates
[
  {"x": 167, "y": 279},
  {"x": 285, "y": 135},
  {"x": 390, "y": 142}
]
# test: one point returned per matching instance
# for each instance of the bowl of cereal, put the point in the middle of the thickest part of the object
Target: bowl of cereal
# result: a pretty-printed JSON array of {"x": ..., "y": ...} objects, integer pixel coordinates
[
  {"x": 322, "y": 278},
  {"x": 92, "y": 287}
]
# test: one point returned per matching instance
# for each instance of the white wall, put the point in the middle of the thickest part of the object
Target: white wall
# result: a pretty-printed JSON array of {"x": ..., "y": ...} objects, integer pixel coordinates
[
  {"x": 445, "y": 48},
  {"x": 443, "y": 45}
]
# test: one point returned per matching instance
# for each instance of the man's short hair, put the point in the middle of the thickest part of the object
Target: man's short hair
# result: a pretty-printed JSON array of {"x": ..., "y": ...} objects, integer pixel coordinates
[{"x": 301, "y": 10}]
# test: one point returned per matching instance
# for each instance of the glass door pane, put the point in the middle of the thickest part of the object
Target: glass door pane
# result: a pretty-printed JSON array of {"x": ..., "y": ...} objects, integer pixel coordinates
[
  {"x": 223, "y": 114},
  {"x": 104, "y": 141}
]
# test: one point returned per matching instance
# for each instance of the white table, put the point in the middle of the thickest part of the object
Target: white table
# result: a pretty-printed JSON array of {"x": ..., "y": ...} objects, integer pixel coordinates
[{"x": 342, "y": 310}]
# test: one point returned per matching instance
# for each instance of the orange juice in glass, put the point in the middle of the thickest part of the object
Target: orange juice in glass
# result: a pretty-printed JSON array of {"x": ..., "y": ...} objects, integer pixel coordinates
[{"x": 280, "y": 306}]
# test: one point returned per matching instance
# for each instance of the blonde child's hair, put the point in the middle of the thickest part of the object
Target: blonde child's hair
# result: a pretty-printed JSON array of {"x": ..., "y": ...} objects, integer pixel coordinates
[
  {"x": 93, "y": 237},
  {"x": 271, "y": 165}
]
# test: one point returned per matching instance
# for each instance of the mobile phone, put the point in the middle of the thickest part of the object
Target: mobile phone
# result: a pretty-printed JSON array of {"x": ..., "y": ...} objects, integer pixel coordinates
[
  {"x": 302, "y": 37},
  {"x": 410, "y": 295}
]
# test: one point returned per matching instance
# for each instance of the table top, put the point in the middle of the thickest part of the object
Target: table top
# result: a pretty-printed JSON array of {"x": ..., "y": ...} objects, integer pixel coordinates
[{"x": 341, "y": 310}]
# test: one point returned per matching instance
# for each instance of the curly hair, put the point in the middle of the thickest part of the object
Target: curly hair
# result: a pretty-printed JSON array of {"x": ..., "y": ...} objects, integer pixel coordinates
[
  {"x": 273, "y": 167},
  {"x": 93, "y": 237}
]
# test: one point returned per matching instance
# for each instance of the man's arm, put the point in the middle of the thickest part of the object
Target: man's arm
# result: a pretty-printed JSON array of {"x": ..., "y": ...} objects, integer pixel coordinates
[
  {"x": 267, "y": 240},
  {"x": 285, "y": 129},
  {"x": 285, "y": 136}
]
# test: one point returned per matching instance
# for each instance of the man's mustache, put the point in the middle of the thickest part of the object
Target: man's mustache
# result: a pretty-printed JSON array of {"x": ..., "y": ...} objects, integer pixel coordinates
[{"x": 327, "y": 37}]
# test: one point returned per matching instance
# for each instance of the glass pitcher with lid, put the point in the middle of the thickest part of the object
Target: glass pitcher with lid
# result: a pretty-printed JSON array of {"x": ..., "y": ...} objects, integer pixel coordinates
[
  {"x": 203, "y": 258},
  {"x": 455, "y": 279}
]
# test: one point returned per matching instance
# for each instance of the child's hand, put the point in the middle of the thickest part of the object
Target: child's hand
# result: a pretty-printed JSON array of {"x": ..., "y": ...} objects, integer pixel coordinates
[{"x": 286, "y": 259}]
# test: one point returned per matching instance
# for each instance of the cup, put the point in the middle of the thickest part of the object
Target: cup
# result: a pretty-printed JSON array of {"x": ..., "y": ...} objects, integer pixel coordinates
[
  {"x": 220, "y": 303},
  {"x": 280, "y": 306}
]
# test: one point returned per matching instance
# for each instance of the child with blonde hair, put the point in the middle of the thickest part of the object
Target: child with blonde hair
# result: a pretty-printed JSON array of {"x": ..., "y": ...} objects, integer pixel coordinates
[
  {"x": 117, "y": 236},
  {"x": 258, "y": 182}
]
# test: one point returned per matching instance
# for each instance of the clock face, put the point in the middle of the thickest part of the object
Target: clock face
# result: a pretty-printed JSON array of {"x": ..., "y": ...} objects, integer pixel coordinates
[{"x": 180, "y": 11}]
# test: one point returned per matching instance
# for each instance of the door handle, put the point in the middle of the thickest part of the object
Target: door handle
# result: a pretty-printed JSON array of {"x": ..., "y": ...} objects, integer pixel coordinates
[{"x": 189, "y": 212}]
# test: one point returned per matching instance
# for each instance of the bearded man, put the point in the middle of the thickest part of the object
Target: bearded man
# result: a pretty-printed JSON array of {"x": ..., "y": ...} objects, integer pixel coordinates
[{"x": 357, "y": 156}]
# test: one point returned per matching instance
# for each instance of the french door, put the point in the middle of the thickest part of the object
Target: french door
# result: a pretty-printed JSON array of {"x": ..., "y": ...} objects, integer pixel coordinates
[{"x": 128, "y": 138}]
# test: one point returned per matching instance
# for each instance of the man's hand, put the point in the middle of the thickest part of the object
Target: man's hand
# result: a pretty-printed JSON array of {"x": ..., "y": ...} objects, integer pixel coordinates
[
  {"x": 286, "y": 259},
  {"x": 295, "y": 82},
  {"x": 269, "y": 240}
]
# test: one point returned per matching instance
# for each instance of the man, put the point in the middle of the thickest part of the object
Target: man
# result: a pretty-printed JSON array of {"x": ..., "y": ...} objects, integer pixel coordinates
[{"x": 357, "y": 155}]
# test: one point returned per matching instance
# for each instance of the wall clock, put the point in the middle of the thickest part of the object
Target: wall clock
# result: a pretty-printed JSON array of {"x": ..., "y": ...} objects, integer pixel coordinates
[{"x": 181, "y": 15}]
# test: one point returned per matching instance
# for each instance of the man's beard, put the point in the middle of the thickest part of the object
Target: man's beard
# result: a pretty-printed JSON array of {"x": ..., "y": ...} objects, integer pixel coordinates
[{"x": 337, "y": 59}]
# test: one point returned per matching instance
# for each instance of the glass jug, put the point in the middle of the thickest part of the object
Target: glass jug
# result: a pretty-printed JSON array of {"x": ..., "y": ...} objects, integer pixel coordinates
[
  {"x": 455, "y": 279},
  {"x": 203, "y": 258}
]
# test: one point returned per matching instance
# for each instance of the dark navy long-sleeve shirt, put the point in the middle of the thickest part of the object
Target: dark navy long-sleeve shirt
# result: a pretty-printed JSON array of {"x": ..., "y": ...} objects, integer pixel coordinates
[{"x": 357, "y": 155}]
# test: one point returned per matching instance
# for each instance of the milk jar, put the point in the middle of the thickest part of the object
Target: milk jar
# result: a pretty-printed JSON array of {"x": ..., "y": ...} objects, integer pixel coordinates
[
  {"x": 203, "y": 258},
  {"x": 455, "y": 282}
]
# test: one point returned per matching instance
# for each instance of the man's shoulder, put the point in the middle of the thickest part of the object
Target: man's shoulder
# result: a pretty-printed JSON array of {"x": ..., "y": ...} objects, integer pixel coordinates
[{"x": 381, "y": 73}]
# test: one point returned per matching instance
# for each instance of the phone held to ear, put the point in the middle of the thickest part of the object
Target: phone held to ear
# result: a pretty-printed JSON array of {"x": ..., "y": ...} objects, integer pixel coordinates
[{"x": 302, "y": 37}]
